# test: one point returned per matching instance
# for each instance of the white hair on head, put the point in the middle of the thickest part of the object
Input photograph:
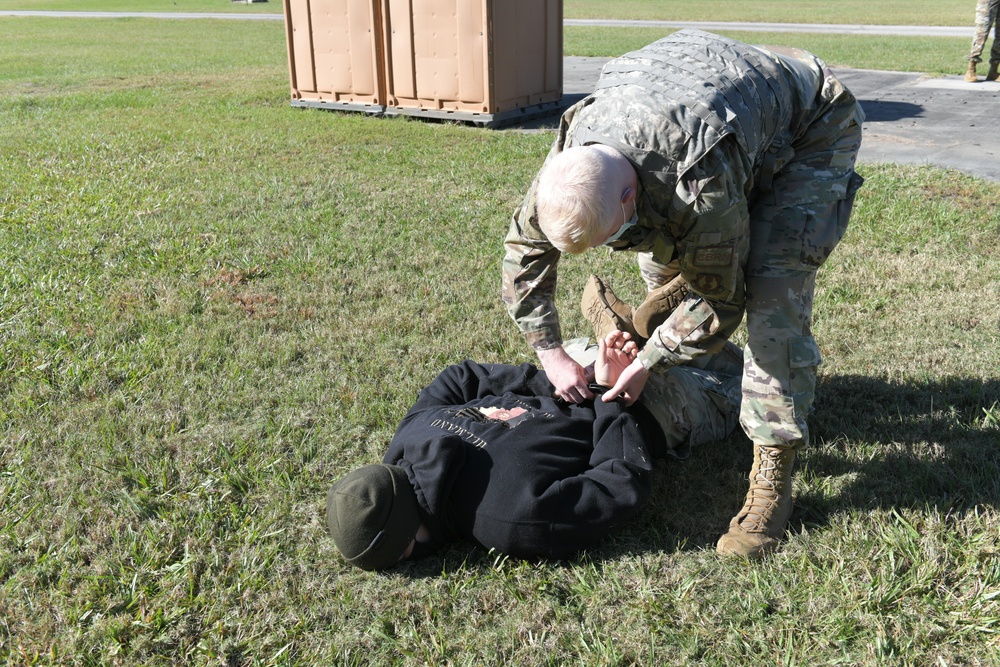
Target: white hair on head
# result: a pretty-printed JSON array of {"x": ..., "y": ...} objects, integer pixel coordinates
[{"x": 577, "y": 197}]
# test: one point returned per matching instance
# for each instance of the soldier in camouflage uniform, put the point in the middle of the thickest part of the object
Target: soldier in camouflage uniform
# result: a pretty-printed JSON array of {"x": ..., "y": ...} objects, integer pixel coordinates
[
  {"x": 986, "y": 18},
  {"x": 737, "y": 166}
]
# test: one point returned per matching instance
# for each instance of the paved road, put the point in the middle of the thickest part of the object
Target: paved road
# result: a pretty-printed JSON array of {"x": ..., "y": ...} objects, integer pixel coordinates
[
  {"x": 912, "y": 119},
  {"x": 940, "y": 121}
]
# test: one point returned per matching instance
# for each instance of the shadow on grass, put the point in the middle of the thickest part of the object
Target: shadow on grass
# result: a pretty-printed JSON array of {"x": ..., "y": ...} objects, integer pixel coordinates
[
  {"x": 879, "y": 443},
  {"x": 933, "y": 444},
  {"x": 887, "y": 444},
  {"x": 549, "y": 120}
]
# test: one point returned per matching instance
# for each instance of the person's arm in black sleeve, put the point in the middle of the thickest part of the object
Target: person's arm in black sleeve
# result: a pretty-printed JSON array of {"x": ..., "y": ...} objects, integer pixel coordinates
[{"x": 583, "y": 509}]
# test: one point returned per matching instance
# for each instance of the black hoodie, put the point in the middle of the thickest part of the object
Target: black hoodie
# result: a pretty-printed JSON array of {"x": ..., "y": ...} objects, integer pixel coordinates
[{"x": 495, "y": 459}]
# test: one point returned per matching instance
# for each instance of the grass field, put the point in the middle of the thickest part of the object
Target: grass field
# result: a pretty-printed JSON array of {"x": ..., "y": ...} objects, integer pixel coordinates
[
  {"x": 890, "y": 12},
  {"x": 212, "y": 305},
  {"x": 157, "y": 6},
  {"x": 929, "y": 55}
]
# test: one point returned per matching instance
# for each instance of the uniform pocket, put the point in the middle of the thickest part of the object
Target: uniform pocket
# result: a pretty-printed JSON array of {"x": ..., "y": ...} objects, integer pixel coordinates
[
  {"x": 803, "y": 358},
  {"x": 802, "y": 236}
]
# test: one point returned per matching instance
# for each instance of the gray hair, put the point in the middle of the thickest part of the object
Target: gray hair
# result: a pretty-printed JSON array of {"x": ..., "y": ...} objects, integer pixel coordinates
[{"x": 577, "y": 197}]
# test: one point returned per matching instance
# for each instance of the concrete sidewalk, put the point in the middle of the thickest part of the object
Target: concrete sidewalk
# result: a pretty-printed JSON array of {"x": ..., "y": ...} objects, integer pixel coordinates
[{"x": 911, "y": 119}]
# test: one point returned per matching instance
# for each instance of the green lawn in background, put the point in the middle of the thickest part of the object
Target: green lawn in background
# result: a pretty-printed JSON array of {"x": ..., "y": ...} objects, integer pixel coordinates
[
  {"x": 930, "y": 55},
  {"x": 156, "y": 6},
  {"x": 887, "y": 12},
  {"x": 213, "y": 304}
]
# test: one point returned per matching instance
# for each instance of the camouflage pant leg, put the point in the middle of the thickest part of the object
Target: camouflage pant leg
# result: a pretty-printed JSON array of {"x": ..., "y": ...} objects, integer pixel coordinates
[
  {"x": 781, "y": 357},
  {"x": 692, "y": 406},
  {"x": 727, "y": 361},
  {"x": 986, "y": 18},
  {"x": 780, "y": 360},
  {"x": 654, "y": 272},
  {"x": 793, "y": 232}
]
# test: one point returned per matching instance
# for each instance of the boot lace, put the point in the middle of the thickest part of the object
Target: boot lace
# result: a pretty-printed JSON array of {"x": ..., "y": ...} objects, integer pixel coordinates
[{"x": 766, "y": 489}]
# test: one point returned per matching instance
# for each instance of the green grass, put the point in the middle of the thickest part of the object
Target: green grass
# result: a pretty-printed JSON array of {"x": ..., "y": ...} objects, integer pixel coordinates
[
  {"x": 931, "y": 55},
  {"x": 212, "y": 305},
  {"x": 888, "y": 12},
  {"x": 158, "y": 6}
]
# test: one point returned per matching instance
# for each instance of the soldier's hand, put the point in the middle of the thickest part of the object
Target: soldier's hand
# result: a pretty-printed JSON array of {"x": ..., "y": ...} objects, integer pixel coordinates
[{"x": 568, "y": 377}]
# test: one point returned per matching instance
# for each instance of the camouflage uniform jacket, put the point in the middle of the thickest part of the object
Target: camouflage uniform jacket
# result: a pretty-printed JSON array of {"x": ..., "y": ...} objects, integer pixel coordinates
[{"x": 706, "y": 122}]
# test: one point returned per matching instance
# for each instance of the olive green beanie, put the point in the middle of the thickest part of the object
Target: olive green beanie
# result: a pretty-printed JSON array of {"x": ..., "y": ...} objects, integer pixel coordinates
[{"x": 372, "y": 515}]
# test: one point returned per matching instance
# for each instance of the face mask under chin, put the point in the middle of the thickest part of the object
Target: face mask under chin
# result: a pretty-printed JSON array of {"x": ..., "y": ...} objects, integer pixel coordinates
[
  {"x": 628, "y": 224},
  {"x": 617, "y": 240}
]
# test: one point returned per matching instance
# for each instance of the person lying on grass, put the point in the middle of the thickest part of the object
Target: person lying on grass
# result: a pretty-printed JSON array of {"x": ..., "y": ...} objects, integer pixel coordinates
[{"x": 487, "y": 454}]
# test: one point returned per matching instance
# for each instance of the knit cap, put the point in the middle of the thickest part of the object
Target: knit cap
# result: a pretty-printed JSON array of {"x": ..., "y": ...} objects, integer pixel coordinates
[{"x": 372, "y": 515}]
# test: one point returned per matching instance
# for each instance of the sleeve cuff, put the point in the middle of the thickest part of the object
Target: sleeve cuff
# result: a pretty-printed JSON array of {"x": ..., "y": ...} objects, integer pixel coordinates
[
  {"x": 543, "y": 340},
  {"x": 655, "y": 359}
]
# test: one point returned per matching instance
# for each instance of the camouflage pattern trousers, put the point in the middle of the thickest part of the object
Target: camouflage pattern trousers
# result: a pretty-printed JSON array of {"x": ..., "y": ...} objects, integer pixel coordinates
[
  {"x": 986, "y": 18},
  {"x": 793, "y": 229}
]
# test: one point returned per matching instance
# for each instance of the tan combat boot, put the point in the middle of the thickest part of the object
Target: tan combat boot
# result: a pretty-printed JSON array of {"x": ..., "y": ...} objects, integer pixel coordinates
[
  {"x": 602, "y": 308},
  {"x": 760, "y": 525},
  {"x": 658, "y": 305},
  {"x": 970, "y": 74},
  {"x": 992, "y": 74},
  {"x": 605, "y": 310}
]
